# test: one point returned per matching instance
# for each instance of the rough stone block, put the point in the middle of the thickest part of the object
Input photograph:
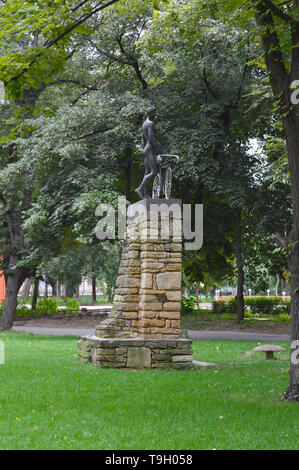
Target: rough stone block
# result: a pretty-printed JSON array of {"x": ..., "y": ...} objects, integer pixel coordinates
[
  {"x": 173, "y": 267},
  {"x": 126, "y": 298},
  {"x": 156, "y": 344},
  {"x": 184, "y": 343},
  {"x": 173, "y": 247},
  {"x": 175, "y": 306},
  {"x": 126, "y": 290},
  {"x": 153, "y": 255},
  {"x": 165, "y": 331},
  {"x": 147, "y": 323},
  {"x": 130, "y": 315},
  {"x": 152, "y": 267},
  {"x": 147, "y": 247},
  {"x": 126, "y": 306},
  {"x": 146, "y": 281},
  {"x": 174, "y": 296},
  {"x": 150, "y": 306},
  {"x": 148, "y": 298},
  {"x": 169, "y": 280},
  {"x": 182, "y": 358},
  {"x": 149, "y": 314},
  {"x": 101, "y": 358},
  {"x": 139, "y": 358},
  {"x": 126, "y": 281},
  {"x": 169, "y": 315}
]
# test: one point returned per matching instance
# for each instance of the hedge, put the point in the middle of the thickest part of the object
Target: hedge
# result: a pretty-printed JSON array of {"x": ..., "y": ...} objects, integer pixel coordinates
[{"x": 258, "y": 305}]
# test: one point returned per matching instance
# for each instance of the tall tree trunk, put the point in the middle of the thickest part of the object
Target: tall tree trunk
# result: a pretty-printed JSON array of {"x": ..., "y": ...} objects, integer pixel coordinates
[
  {"x": 26, "y": 290},
  {"x": 110, "y": 294},
  {"x": 70, "y": 290},
  {"x": 197, "y": 294},
  {"x": 94, "y": 290},
  {"x": 77, "y": 291},
  {"x": 281, "y": 80},
  {"x": 14, "y": 275},
  {"x": 35, "y": 294},
  {"x": 213, "y": 292},
  {"x": 277, "y": 284},
  {"x": 292, "y": 132},
  {"x": 240, "y": 265},
  {"x": 52, "y": 282},
  {"x": 14, "y": 278},
  {"x": 58, "y": 290},
  {"x": 46, "y": 290}
]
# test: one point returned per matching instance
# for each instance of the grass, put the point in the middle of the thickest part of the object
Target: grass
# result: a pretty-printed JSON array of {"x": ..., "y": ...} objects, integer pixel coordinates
[
  {"x": 87, "y": 300},
  {"x": 49, "y": 400}
]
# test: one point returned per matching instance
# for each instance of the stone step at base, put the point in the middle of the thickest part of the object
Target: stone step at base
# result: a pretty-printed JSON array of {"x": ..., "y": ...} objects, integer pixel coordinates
[{"x": 136, "y": 353}]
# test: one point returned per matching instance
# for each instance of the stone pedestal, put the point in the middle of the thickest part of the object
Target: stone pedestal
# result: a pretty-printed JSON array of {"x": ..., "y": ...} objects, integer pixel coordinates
[{"x": 143, "y": 328}]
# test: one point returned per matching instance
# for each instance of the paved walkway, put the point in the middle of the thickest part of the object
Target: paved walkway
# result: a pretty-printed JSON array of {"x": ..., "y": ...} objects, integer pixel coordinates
[{"x": 233, "y": 335}]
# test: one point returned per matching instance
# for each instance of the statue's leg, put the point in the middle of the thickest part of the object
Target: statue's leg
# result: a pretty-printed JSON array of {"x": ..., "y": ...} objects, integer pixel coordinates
[
  {"x": 142, "y": 190},
  {"x": 150, "y": 176}
]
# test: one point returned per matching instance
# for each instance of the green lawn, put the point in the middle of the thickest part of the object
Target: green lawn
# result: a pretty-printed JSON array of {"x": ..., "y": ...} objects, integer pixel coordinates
[
  {"x": 87, "y": 300},
  {"x": 50, "y": 401}
]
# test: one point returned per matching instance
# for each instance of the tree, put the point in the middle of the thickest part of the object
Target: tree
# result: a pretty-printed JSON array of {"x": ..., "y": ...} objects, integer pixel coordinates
[
  {"x": 211, "y": 113},
  {"x": 278, "y": 26},
  {"x": 36, "y": 54}
]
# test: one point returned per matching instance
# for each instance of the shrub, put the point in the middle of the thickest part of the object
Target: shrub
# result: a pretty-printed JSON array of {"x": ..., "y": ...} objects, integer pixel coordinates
[
  {"x": 188, "y": 305},
  {"x": 268, "y": 305},
  {"x": 48, "y": 305},
  {"x": 221, "y": 306},
  {"x": 250, "y": 314},
  {"x": 257, "y": 305},
  {"x": 72, "y": 305},
  {"x": 23, "y": 311},
  {"x": 284, "y": 318}
]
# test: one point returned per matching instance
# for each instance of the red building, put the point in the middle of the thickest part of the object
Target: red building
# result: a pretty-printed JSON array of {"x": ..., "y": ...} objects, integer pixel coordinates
[{"x": 2, "y": 286}]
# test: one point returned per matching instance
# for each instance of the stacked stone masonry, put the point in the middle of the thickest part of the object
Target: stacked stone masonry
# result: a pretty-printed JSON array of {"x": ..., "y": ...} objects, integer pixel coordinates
[
  {"x": 147, "y": 299},
  {"x": 131, "y": 353}
]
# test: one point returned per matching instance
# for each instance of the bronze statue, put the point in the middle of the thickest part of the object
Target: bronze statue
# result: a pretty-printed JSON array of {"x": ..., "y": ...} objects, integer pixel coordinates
[{"x": 152, "y": 148}]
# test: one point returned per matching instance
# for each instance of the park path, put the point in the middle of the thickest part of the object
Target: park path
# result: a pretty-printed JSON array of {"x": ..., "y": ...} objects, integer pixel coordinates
[{"x": 202, "y": 334}]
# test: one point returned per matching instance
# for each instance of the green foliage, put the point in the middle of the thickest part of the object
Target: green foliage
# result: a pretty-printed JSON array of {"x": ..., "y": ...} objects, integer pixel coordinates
[
  {"x": 42, "y": 33},
  {"x": 221, "y": 307},
  {"x": 72, "y": 305},
  {"x": 70, "y": 137},
  {"x": 87, "y": 299},
  {"x": 249, "y": 314},
  {"x": 258, "y": 306},
  {"x": 47, "y": 306},
  {"x": 268, "y": 305},
  {"x": 284, "y": 318},
  {"x": 23, "y": 311},
  {"x": 188, "y": 305}
]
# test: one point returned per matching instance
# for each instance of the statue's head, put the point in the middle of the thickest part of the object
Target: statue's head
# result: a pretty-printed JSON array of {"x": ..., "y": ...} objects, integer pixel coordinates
[{"x": 151, "y": 112}]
